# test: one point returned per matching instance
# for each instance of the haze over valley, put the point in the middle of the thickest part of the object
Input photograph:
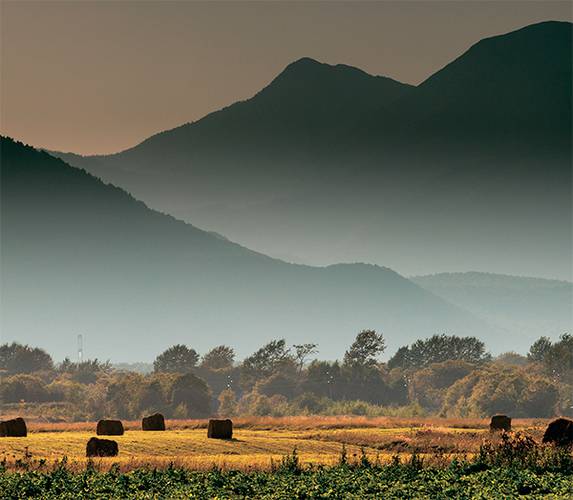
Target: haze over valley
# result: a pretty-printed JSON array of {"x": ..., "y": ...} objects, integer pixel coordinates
[
  {"x": 330, "y": 201},
  {"x": 328, "y": 164}
]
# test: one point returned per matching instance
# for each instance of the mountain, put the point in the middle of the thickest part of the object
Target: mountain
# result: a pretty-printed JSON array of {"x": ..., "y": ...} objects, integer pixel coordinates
[
  {"x": 530, "y": 307},
  {"x": 83, "y": 257},
  {"x": 329, "y": 164},
  {"x": 270, "y": 137},
  {"x": 508, "y": 94}
]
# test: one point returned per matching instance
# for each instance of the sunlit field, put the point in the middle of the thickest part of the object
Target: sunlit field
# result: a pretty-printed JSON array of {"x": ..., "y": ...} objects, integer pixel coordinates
[{"x": 257, "y": 443}]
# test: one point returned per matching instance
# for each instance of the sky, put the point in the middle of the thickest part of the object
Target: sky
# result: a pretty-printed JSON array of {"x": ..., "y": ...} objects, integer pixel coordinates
[{"x": 98, "y": 77}]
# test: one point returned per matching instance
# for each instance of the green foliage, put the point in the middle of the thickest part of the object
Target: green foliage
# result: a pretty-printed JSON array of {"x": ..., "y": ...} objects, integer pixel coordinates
[
  {"x": 85, "y": 372},
  {"x": 23, "y": 388},
  {"x": 268, "y": 360},
  {"x": 558, "y": 359},
  {"x": 516, "y": 391},
  {"x": 177, "y": 359},
  {"x": 193, "y": 393},
  {"x": 150, "y": 396},
  {"x": 276, "y": 381},
  {"x": 302, "y": 352},
  {"x": 284, "y": 384},
  {"x": 440, "y": 348},
  {"x": 365, "y": 349},
  {"x": 219, "y": 358},
  {"x": 18, "y": 358},
  {"x": 428, "y": 386},
  {"x": 539, "y": 349},
  {"x": 227, "y": 403},
  {"x": 514, "y": 468}
]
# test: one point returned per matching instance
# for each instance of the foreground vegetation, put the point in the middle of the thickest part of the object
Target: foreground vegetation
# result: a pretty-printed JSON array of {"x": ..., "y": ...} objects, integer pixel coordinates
[{"x": 514, "y": 467}]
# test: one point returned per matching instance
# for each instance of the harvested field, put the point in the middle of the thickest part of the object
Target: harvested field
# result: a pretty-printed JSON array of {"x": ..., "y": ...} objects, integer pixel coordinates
[{"x": 256, "y": 443}]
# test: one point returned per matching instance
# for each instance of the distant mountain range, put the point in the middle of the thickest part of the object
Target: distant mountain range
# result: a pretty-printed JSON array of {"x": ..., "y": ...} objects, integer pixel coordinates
[
  {"x": 469, "y": 170},
  {"x": 82, "y": 256},
  {"x": 529, "y": 307}
]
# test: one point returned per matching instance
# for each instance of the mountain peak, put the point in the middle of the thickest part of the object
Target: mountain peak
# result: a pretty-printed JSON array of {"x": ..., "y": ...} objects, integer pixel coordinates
[{"x": 306, "y": 67}]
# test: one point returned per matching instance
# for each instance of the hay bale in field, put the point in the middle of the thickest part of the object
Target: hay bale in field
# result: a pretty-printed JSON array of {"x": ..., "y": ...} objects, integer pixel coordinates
[
  {"x": 109, "y": 428},
  {"x": 500, "y": 423},
  {"x": 101, "y": 448},
  {"x": 13, "y": 428},
  {"x": 220, "y": 429},
  {"x": 559, "y": 432},
  {"x": 154, "y": 422}
]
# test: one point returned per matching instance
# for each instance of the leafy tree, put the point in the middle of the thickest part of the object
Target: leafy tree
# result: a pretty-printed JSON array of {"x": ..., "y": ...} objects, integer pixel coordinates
[
  {"x": 23, "y": 387},
  {"x": 440, "y": 348},
  {"x": 18, "y": 358},
  {"x": 85, "y": 372},
  {"x": 401, "y": 358},
  {"x": 539, "y": 349},
  {"x": 516, "y": 391},
  {"x": 323, "y": 378},
  {"x": 559, "y": 359},
  {"x": 280, "y": 383},
  {"x": 193, "y": 393},
  {"x": 177, "y": 359},
  {"x": 302, "y": 352},
  {"x": 364, "y": 382},
  {"x": 150, "y": 397},
  {"x": 69, "y": 391},
  {"x": 255, "y": 403},
  {"x": 365, "y": 349},
  {"x": 311, "y": 403},
  {"x": 269, "y": 359},
  {"x": 227, "y": 403},
  {"x": 429, "y": 385},
  {"x": 219, "y": 358},
  {"x": 511, "y": 358},
  {"x": 121, "y": 389}
]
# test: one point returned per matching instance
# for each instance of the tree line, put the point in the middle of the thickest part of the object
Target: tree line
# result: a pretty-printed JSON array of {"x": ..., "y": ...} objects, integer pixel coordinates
[{"x": 442, "y": 375}]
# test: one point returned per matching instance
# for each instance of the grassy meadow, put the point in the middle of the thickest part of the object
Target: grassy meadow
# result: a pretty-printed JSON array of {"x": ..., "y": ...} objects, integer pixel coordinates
[{"x": 258, "y": 442}]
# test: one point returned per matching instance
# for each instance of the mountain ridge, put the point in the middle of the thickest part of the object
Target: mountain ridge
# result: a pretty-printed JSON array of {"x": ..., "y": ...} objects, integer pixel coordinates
[
  {"x": 532, "y": 306},
  {"x": 465, "y": 152},
  {"x": 82, "y": 256}
]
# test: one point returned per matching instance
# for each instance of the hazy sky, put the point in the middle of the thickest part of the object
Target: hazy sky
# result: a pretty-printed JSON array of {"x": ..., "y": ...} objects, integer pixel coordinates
[{"x": 98, "y": 77}]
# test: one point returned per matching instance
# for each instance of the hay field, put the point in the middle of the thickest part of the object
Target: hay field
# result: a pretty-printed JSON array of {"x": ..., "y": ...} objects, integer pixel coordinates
[{"x": 257, "y": 442}]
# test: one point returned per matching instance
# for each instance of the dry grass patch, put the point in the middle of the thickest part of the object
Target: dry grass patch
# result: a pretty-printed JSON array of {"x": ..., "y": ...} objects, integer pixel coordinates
[{"x": 257, "y": 441}]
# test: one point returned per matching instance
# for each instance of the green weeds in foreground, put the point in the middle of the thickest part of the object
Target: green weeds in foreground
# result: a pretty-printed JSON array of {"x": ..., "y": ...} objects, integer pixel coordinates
[{"x": 516, "y": 467}]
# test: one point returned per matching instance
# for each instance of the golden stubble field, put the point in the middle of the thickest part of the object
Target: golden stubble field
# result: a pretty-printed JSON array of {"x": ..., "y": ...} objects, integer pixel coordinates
[{"x": 257, "y": 442}]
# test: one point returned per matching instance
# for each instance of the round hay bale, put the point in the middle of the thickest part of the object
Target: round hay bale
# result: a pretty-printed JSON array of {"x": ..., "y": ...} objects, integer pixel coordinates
[
  {"x": 559, "y": 432},
  {"x": 109, "y": 428},
  {"x": 220, "y": 429},
  {"x": 15, "y": 427},
  {"x": 500, "y": 423},
  {"x": 155, "y": 422},
  {"x": 97, "y": 447}
]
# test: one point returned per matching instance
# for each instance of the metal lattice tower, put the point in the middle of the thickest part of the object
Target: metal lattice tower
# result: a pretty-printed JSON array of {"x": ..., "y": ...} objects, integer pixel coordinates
[{"x": 80, "y": 348}]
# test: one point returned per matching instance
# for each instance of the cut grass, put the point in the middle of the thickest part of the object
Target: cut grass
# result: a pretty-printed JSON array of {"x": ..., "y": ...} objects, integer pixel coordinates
[{"x": 257, "y": 443}]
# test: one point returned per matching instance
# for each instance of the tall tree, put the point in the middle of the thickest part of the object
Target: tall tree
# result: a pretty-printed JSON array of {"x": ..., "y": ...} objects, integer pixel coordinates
[
  {"x": 440, "y": 348},
  {"x": 539, "y": 349},
  {"x": 193, "y": 393},
  {"x": 267, "y": 360},
  {"x": 302, "y": 352},
  {"x": 219, "y": 358},
  {"x": 177, "y": 359},
  {"x": 18, "y": 358},
  {"x": 365, "y": 350},
  {"x": 559, "y": 358}
]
